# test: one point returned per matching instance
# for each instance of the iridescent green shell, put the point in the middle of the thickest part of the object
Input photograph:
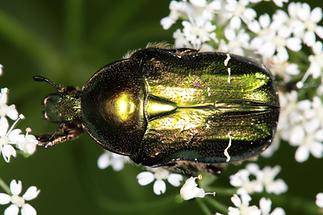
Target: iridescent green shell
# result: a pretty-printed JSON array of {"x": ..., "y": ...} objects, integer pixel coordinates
[{"x": 164, "y": 105}]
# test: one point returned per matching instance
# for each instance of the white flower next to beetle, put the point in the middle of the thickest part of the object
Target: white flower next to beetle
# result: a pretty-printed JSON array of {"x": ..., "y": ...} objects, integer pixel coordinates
[
  {"x": 159, "y": 174},
  {"x": 303, "y": 127},
  {"x": 239, "y": 11},
  {"x": 114, "y": 160},
  {"x": 18, "y": 202},
  {"x": 11, "y": 138},
  {"x": 190, "y": 189},
  {"x": 252, "y": 179},
  {"x": 198, "y": 27},
  {"x": 265, "y": 208},
  {"x": 241, "y": 202},
  {"x": 319, "y": 200}
]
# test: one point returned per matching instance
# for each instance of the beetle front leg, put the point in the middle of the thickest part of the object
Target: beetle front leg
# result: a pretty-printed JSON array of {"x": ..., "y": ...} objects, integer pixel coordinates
[{"x": 64, "y": 133}]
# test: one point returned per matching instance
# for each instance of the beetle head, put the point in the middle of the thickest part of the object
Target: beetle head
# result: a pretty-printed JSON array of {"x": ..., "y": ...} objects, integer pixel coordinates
[{"x": 61, "y": 106}]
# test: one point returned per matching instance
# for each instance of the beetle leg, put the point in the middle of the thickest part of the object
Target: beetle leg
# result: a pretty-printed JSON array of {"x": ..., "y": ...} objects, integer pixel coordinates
[
  {"x": 192, "y": 168},
  {"x": 64, "y": 133}
]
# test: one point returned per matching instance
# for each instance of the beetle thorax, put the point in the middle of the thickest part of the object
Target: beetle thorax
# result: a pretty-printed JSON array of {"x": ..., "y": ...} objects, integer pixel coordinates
[{"x": 69, "y": 108}]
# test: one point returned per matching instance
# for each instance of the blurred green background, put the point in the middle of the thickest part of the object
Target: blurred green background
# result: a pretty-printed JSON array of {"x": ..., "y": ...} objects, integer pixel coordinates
[{"x": 68, "y": 41}]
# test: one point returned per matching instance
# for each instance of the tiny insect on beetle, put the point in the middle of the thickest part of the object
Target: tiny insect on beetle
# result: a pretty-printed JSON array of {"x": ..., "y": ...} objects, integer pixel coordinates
[{"x": 182, "y": 109}]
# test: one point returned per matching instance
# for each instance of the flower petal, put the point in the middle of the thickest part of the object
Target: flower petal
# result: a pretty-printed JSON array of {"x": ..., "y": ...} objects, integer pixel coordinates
[
  {"x": 4, "y": 125},
  {"x": 27, "y": 209},
  {"x": 278, "y": 211},
  {"x": 15, "y": 187},
  {"x": 145, "y": 178},
  {"x": 265, "y": 205},
  {"x": 12, "y": 112},
  {"x": 7, "y": 152},
  {"x": 104, "y": 161},
  {"x": 117, "y": 164},
  {"x": 4, "y": 199},
  {"x": 302, "y": 154},
  {"x": 175, "y": 179},
  {"x": 11, "y": 210},
  {"x": 159, "y": 187},
  {"x": 31, "y": 193}
]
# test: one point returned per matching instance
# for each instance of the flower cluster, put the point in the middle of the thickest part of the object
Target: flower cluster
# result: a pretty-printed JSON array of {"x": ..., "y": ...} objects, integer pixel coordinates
[
  {"x": 253, "y": 180},
  {"x": 242, "y": 205},
  {"x": 18, "y": 202},
  {"x": 287, "y": 42},
  {"x": 12, "y": 139}
]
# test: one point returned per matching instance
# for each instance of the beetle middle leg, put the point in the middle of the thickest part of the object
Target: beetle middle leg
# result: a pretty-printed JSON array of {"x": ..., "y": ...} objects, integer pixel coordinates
[
  {"x": 192, "y": 168},
  {"x": 64, "y": 133}
]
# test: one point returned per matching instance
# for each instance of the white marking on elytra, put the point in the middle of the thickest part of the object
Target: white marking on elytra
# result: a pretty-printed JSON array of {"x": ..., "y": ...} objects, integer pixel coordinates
[
  {"x": 208, "y": 91},
  {"x": 226, "y": 61},
  {"x": 229, "y": 75},
  {"x": 226, "y": 153}
]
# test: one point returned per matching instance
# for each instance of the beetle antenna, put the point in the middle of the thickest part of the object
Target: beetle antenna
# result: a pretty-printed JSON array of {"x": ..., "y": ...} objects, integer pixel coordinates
[{"x": 40, "y": 78}]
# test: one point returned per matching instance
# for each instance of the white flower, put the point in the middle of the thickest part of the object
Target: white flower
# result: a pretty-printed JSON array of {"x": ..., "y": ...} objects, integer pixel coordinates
[
  {"x": 192, "y": 10},
  {"x": 190, "y": 190},
  {"x": 114, "y": 160},
  {"x": 237, "y": 11},
  {"x": 28, "y": 143},
  {"x": 241, "y": 203},
  {"x": 19, "y": 202},
  {"x": 267, "y": 177},
  {"x": 8, "y": 138},
  {"x": 160, "y": 174},
  {"x": 274, "y": 38},
  {"x": 265, "y": 207},
  {"x": 309, "y": 21},
  {"x": 6, "y": 110},
  {"x": 252, "y": 179},
  {"x": 303, "y": 128},
  {"x": 242, "y": 180},
  {"x": 197, "y": 26},
  {"x": 12, "y": 139},
  {"x": 319, "y": 200},
  {"x": 1, "y": 69},
  {"x": 238, "y": 41}
]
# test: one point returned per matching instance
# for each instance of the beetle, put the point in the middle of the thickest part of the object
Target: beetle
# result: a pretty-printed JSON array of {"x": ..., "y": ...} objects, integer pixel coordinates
[{"x": 182, "y": 109}]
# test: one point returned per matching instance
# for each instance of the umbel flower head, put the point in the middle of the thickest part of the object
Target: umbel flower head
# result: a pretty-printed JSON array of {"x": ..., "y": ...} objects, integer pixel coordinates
[
  {"x": 11, "y": 139},
  {"x": 17, "y": 201}
]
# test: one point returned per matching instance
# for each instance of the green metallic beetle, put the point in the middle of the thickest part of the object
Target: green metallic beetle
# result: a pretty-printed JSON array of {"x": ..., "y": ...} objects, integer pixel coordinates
[{"x": 177, "y": 108}]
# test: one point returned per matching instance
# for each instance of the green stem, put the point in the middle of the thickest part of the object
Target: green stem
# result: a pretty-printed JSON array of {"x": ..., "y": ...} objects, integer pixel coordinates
[
  {"x": 217, "y": 205},
  {"x": 203, "y": 207},
  {"x": 222, "y": 191},
  {"x": 4, "y": 186},
  {"x": 29, "y": 43}
]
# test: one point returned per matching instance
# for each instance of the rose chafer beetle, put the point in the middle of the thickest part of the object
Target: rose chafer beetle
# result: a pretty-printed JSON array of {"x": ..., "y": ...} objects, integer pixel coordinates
[{"x": 179, "y": 108}]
